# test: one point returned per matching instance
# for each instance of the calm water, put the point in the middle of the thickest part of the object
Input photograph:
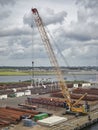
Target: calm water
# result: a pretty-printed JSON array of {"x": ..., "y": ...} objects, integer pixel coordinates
[
  {"x": 91, "y": 78},
  {"x": 93, "y": 127}
]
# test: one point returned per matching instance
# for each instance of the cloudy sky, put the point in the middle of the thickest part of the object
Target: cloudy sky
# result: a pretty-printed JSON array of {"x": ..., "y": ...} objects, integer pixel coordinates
[{"x": 72, "y": 26}]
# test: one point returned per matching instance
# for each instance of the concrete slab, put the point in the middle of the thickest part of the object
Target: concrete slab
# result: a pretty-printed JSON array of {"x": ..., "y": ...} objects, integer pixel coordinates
[{"x": 53, "y": 120}]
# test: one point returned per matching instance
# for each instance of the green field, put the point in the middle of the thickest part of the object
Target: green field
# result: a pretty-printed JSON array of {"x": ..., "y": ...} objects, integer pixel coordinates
[
  {"x": 8, "y": 73},
  {"x": 23, "y": 73}
]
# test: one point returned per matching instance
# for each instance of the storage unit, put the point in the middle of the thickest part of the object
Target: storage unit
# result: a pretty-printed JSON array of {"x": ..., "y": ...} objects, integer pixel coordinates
[
  {"x": 14, "y": 89},
  {"x": 4, "y": 96},
  {"x": 75, "y": 85},
  {"x": 27, "y": 92},
  {"x": 29, "y": 87},
  {"x": 28, "y": 122},
  {"x": 18, "y": 94},
  {"x": 86, "y": 85},
  {"x": 40, "y": 116},
  {"x": 12, "y": 95}
]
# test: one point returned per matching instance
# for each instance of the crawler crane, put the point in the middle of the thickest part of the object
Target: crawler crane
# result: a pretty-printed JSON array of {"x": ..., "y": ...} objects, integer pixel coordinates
[{"x": 71, "y": 107}]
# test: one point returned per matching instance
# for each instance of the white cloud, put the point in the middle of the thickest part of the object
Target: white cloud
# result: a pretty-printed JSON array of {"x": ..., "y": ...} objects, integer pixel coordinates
[
  {"x": 48, "y": 17},
  {"x": 74, "y": 27},
  {"x": 14, "y": 31}
]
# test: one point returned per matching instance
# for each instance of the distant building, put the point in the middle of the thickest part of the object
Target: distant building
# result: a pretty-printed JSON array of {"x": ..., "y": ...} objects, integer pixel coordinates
[
  {"x": 75, "y": 85},
  {"x": 86, "y": 85}
]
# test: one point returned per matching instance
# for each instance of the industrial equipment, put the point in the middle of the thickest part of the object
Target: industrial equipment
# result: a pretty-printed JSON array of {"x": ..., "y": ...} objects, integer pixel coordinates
[{"x": 72, "y": 107}]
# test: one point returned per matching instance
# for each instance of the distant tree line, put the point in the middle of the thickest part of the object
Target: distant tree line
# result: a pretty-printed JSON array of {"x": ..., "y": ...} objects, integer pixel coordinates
[{"x": 50, "y": 68}]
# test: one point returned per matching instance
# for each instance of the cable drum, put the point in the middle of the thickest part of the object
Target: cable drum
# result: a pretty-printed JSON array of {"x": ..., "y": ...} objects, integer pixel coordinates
[{"x": 28, "y": 122}]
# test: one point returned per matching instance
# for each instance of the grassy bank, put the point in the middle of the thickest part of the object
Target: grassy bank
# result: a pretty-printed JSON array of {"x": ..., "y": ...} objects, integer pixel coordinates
[
  {"x": 7, "y": 73},
  {"x": 23, "y": 73}
]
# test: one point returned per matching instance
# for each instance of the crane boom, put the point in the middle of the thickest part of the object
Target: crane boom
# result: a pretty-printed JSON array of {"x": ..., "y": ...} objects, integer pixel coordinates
[
  {"x": 51, "y": 54},
  {"x": 53, "y": 60}
]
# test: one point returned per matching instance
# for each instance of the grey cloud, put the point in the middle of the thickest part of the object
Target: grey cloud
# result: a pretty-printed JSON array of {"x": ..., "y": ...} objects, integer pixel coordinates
[
  {"x": 18, "y": 55},
  {"x": 78, "y": 36},
  {"x": 83, "y": 32},
  {"x": 92, "y": 4},
  {"x": 27, "y": 52},
  {"x": 88, "y": 3},
  {"x": 80, "y": 43},
  {"x": 82, "y": 16},
  {"x": 50, "y": 17},
  {"x": 21, "y": 40},
  {"x": 4, "y": 51},
  {"x": 86, "y": 26},
  {"x": 77, "y": 40},
  {"x": 7, "y": 2},
  {"x": 81, "y": 52},
  {"x": 55, "y": 18},
  {"x": 90, "y": 7},
  {"x": 15, "y": 31},
  {"x": 4, "y": 14},
  {"x": 23, "y": 47},
  {"x": 88, "y": 53}
]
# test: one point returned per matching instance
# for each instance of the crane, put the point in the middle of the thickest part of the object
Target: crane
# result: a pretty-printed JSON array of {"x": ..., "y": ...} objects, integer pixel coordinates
[{"x": 71, "y": 107}]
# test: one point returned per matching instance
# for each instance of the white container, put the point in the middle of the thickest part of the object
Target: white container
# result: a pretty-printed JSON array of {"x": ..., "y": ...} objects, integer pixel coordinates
[
  {"x": 29, "y": 87},
  {"x": 75, "y": 85},
  {"x": 27, "y": 92},
  {"x": 19, "y": 94},
  {"x": 4, "y": 96},
  {"x": 86, "y": 85},
  {"x": 14, "y": 89}
]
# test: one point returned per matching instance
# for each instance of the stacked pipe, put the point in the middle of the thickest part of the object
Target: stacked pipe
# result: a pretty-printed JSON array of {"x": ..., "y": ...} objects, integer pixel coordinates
[
  {"x": 46, "y": 101},
  {"x": 22, "y": 85},
  {"x": 77, "y": 96},
  {"x": 8, "y": 89},
  {"x": 10, "y": 115},
  {"x": 92, "y": 91}
]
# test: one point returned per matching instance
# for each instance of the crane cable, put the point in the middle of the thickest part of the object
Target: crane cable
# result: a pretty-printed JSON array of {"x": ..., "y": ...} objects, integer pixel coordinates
[{"x": 74, "y": 76}]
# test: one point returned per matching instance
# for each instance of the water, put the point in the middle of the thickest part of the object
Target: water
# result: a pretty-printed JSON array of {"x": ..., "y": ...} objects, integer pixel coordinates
[
  {"x": 93, "y": 127},
  {"x": 14, "y": 78},
  {"x": 91, "y": 78}
]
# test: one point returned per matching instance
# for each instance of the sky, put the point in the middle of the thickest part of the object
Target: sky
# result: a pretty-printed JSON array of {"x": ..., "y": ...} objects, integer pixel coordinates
[{"x": 72, "y": 27}]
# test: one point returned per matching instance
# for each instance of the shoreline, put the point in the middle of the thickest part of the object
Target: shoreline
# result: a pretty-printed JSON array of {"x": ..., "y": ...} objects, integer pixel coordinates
[{"x": 7, "y": 73}]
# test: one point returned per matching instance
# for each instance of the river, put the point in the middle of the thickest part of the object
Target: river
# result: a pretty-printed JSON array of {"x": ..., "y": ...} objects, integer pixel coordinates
[
  {"x": 91, "y": 78},
  {"x": 93, "y": 127}
]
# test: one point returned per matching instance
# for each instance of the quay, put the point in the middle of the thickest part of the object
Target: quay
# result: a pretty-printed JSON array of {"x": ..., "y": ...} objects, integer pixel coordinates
[{"x": 78, "y": 123}]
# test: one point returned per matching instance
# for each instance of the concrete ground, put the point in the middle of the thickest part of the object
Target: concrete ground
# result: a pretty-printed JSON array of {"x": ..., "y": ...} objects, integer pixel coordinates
[
  {"x": 16, "y": 100},
  {"x": 53, "y": 110},
  {"x": 13, "y": 102}
]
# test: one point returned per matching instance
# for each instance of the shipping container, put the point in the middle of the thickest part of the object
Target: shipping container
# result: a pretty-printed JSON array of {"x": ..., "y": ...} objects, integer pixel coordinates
[
  {"x": 40, "y": 116},
  {"x": 12, "y": 95}
]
